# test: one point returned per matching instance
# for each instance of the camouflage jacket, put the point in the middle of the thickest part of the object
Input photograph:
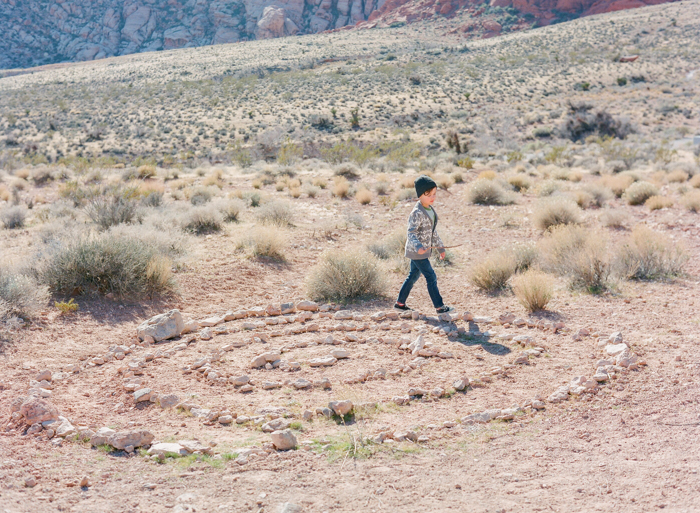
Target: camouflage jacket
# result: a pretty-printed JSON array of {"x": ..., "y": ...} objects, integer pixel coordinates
[{"x": 421, "y": 233}]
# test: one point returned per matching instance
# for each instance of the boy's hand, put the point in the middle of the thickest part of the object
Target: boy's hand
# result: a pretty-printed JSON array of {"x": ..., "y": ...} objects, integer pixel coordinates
[
  {"x": 422, "y": 251},
  {"x": 442, "y": 256}
]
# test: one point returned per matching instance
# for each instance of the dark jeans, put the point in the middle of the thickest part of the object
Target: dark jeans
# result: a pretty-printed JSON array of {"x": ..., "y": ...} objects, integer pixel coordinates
[{"x": 419, "y": 267}]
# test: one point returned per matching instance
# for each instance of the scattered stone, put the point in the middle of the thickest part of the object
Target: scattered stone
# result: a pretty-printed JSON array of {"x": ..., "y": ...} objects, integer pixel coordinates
[
  {"x": 44, "y": 375},
  {"x": 417, "y": 392},
  {"x": 615, "y": 338},
  {"x": 162, "y": 327},
  {"x": 522, "y": 359},
  {"x": 30, "y": 482},
  {"x": 37, "y": 410},
  {"x": 401, "y": 400},
  {"x": 461, "y": 384},
  {"x": 276, "y": 425},
  {"x": 307, "y": 415},
  {"x": 84, "y": 482},
  {"x": 559, "y": 395},
  {"x": 162, "y": 449},
  {"x": 341, "y": 408},
  {"x": 206, "y": 334},
  {"x": 261, "y": 360},
  {"x": 226, "y": 419},
  {"x": 283, "y": 440},
  {"x": 538, "y": 405},
  {"x": 137, "y": 438},
  {"x": 323, "y": 362},
  {"x": 246, "y": 388},
  {"x": 340, "y": 354},
  {"x": 102, "y": 436},
  {"x": 615, "y": 349},
  {"x": 239, "y": 381},
  {"x": 290, "y": 507},
  {"x": 307, "y": 306},
  {"x": 168, "y": 401},
  {"x": 326, "y": 412},
  {"x": 302, "y": 384},
  {"x": 195, "y": 447},
  {"x": 142, "y": 395}
]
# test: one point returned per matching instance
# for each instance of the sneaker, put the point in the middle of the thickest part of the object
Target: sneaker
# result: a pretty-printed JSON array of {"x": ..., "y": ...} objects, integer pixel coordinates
[
  {"x": 399, "y": 306},
  {"x": 445, "y": 309}
]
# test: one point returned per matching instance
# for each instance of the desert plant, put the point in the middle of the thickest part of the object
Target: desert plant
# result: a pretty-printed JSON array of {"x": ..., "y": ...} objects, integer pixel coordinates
[
  {"x": 691, "y": 201},
  {"x": 583, "y": 199},
  {"x": 289, "y": 153},
  {"x": 42, "y": 176},
  {"x": 599, "y": 194},
  {"x": 492, "y": 273},
  {"x": 677, "y": 176},
  {"x": 581, "y": 122},
  {"x": 311, "y": 190},
  {"x": 695, "y": 181},
  {"x": 547, "y": 188},
  {"x": 363, "y": 196},
  {"x": 276, "y": 212},
  {"x": 650, "y": 255},
  {"x": 617, "y": 183},
  {"x": 230, "y": 209},
  {"x": 200, "y": 195},
  {"x": 556, "y": 211},
  {"x": 639, "y": 192},
  {"x": 489, "y": 192},
  {"x": 20, "y": 294},
  {"x": 525, "y": 255},
  {"x": 123, "y": 263},
  {"x": 658, "y": 202},
  {"x": 344, "y": 276},
  {"x": 520, "y": 182},
  {"x": 580, "y": 254},
  {"x": 614, "y": 219},
  {"x": 13, "y": 217},
  {"x": 488, "y": 174},
  {"x": 111, "y": 210},
  {"x": 203, "y": 220},
  {"x": 534, "y": 289},
  {"x": 341, "y": 187},
  {"x": 267, "y": 241},
  {"x": 348, "y": 170},
  {"x": 391, "y": 246},
  {"x": 215, "y": 178},
  {"x": 66, "y": 307}
]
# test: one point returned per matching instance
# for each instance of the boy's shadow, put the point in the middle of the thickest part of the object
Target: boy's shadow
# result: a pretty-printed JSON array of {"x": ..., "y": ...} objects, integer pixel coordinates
[{"x": 473, "y": 337}]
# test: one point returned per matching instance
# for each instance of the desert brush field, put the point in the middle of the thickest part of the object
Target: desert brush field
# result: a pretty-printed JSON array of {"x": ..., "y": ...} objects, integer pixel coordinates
[{"x": 200, "y": 252}]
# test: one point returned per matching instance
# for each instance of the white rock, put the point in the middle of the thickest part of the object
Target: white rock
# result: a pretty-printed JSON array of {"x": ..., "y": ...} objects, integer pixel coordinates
[
  {"x": 102, "y": 436},
  {"x": 206, "y": 334},
  {"x": 615, "y": 349},
  {"x": 340, "y": 354},
  {"x": 283, "y": 440},
  {"x": 167, "y": 448},
  {"x": 136, "y": 438},
  {"x": 162, "y": 327},
  {"x": 341, "y": 407}
]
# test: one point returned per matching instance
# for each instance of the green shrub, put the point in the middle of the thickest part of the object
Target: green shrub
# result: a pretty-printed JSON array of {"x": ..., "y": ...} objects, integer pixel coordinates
[
  {"x": 20, "y": 295},
  {"x": 343, "y": 275},
  {"x": 556, "y": 211},
  {"x": 650, "y": 255},
  {"x": 123, "y": 263},
  {"x": 489, "y": 192},
  {"x": 639, "y": 192}
]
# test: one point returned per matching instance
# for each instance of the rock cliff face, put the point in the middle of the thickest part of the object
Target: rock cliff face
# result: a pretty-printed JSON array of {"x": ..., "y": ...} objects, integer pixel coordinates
[{"x": 35, "y": 33}]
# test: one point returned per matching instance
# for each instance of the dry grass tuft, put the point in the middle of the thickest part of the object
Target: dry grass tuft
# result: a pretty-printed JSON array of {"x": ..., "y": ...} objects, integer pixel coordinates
[
  {"x": 203, "y": 220},
  {"x": 614, "y": 219},
  {"x": 691, "y": 201},
  {"x": 520, "y": 182},
  {"x": 650, "y": 255},
  {"x": 580, "y": 254},
  {"x": 343, "y": 276},
  {"x": 363, "y": 196},
  {"x": 276, "y": 212},
  {"x": 13, "y": 217},
  {"x": 677, "y": 176},
  {"x": 534, "y": 289},
  {"x": 556, "y": 211},
  {"x": 639, "y": 192},
  {"x": 265, "y": 241},
  {"x": 489, "y": 192},
  {"x": 658, "y": 202},
  {"x": 694, "y": 182},
  {"x": 341, "y": 187},
  {"x": 20, "y": 295},
  {"x": 492, "y": 273},
  {"x": 618, "y": 184},
  {"x": 487, "y": 175}
]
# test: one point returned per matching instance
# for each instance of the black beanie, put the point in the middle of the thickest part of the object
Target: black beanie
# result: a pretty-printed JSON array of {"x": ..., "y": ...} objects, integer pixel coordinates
[{"x": 423, "y": 184}]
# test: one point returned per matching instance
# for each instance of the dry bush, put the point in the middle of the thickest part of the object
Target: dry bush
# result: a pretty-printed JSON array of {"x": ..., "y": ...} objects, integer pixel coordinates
[
  {"x": 276, "y": 212},
  {"x": 13, "y": 217},
  {"x": 639, "y": 192},
  {"x": 534, "y": 289},
  {"x": 580, "y": 254},
  {"x": 391, "y": 246},
  {"x": 382, "y": 188},
  {"x": 691, "y": 201},
  {"x": 444, "y": 181},
  {"x": 265, "y": 241},
  {"x": 230, "y": 209},
  {"x": 347, "y": 170},
  {"x": 320, "y": 182},
  {"x": 489, "y": 192},
  {"x": 128, "y": 264},
  {"x": 20, "y": 294},
  {"x": 405, "y": 194},
  {"x": 488, "y": 174},
  {"x": 23, "y": 173},
  {"x": 658, "y": 202},
  {"x": 200, "y": 195},
  {"x": 42, "y": 176},
  {"x": 203, "y": 220},
  {"x": 547, "y": 188},
  {"x": 556, "y": 211},
  {"x": 341, "y": 187},
  {"x": 493, "y": 272},
  {"x": 280, "y": 185},
  {"x": 650, "y": 255},
  {"x": 5, "y": 194},
  {"x": 311, "y": 190},
  {"x": 215, "y": 178},
  {"x": 599, "y": 194},
  {"x": 111, "y": 209},
  {"x": 295, "y": 192},
  {"x": 694, "y": 182},
  {"x": 520, "y": 182},
  {"x": 363, "y": 196},
  {"x": 343, "y": 276},
  {"x": 677, "y": 176},
  {"x": 617, "y": 183},
  {"x": 614, "y": 218},
  {"x": 583, "y": 199},
  {"x": 146, "y": 171},
  {"x": 526, "y": 255},
  {"x": 457, "y": 177},
  {"x": 408, "y": 182}
]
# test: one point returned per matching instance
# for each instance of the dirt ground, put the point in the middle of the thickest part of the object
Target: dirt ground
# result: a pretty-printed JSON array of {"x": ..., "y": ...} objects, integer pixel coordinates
[{"x": 629, "y": 446}]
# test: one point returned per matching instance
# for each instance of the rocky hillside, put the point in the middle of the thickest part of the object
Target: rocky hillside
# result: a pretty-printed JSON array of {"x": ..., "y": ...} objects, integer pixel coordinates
[{"x": 36, "y": 33}]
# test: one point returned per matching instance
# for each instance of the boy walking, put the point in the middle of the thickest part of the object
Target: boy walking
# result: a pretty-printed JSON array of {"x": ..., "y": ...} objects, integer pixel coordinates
[{"x": 420, "y": 241}]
